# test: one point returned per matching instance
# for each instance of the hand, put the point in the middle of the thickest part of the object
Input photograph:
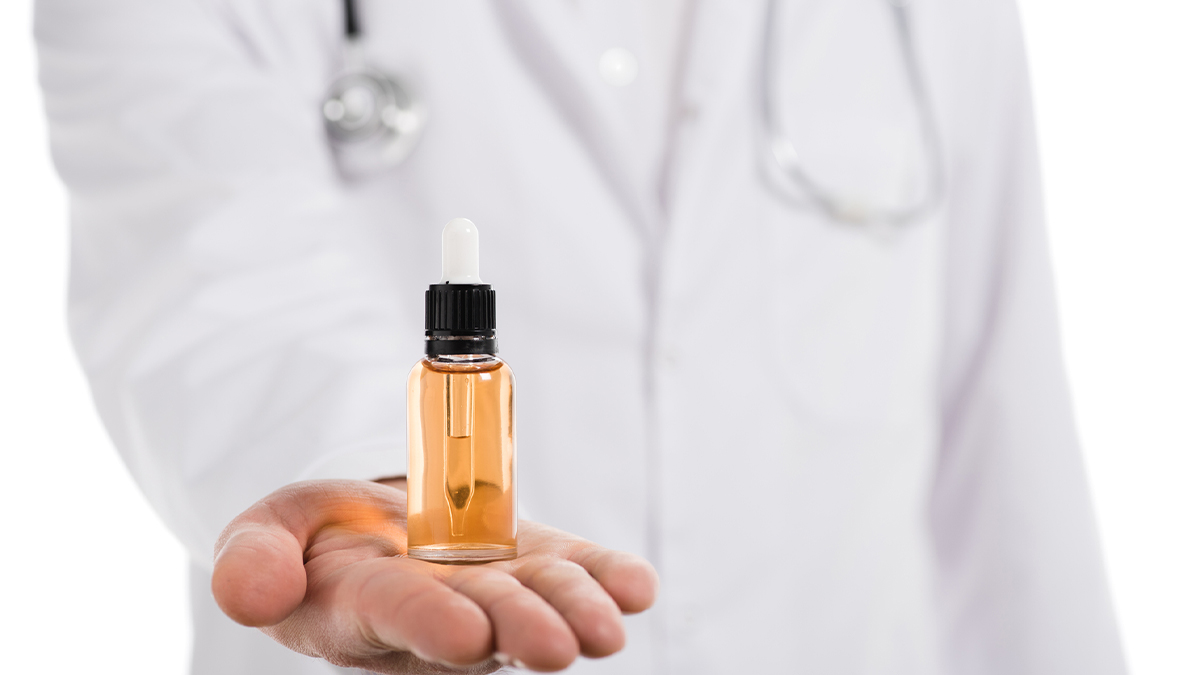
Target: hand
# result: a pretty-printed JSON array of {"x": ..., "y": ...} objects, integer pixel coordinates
[{"x": 320, "y": 567}]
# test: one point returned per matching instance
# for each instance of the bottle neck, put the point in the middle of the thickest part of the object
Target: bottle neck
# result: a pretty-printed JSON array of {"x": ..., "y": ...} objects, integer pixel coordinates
[
  {"x": 460, "y": 345},
  {"x": 463, "y": 359}
]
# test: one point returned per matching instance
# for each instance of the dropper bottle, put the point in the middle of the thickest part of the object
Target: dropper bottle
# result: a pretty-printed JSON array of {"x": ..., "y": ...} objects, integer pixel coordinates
[{"x": 460, "y": 423}]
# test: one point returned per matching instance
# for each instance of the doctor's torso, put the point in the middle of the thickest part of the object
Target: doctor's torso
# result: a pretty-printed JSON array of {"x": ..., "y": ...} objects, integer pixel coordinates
[{"x": 709, "y": 371}]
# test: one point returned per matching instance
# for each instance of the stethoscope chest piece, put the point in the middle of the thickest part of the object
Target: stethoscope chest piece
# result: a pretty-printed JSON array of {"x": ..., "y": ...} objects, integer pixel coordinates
[{"x": 373, "y": 120}]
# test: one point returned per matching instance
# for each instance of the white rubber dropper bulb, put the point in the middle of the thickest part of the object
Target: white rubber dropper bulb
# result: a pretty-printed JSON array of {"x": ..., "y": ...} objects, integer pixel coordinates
[{"x": 460, "y": 252}]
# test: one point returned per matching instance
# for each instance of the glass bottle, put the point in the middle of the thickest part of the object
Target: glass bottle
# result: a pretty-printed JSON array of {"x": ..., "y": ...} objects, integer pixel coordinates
[{"x": 460, "y": 419}]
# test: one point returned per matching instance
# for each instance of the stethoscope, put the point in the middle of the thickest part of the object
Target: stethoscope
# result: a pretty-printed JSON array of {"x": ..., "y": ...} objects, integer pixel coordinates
[
  {"x": 802, "y": 188},
  {"x": 374, "y": 120}
]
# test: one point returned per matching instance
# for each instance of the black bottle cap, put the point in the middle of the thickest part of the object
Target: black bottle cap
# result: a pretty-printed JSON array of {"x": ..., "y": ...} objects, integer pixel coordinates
[{"x": 460, "y": 319}]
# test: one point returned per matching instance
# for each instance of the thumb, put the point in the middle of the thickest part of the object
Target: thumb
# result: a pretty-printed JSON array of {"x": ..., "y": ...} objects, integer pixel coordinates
[{"x": 258, "y": 573}]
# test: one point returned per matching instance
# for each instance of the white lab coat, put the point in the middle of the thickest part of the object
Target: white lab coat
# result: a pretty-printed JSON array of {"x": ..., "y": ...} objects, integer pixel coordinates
[{"x": 845, "y": 451}]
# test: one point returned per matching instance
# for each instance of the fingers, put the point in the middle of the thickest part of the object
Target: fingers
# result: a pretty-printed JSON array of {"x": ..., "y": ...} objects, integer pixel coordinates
[
  {"x": 527, "y": 629},
  {"x": 402, "y": 607},
  {"x": 629, "y": 579},
  {"x": 541, "y": 612},
  {"x": 259, "y": 576},
  {"x": 585, "y": 606}
]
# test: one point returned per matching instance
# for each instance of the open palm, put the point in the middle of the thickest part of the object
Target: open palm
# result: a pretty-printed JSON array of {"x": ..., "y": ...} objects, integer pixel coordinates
[{"x": 320, "y": 567}]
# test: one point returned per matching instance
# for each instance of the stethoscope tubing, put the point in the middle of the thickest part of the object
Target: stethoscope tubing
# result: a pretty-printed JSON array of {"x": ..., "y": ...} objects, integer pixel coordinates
[
  {"x": 780, "y": 148},
  {"x": 350, "y": 19}
]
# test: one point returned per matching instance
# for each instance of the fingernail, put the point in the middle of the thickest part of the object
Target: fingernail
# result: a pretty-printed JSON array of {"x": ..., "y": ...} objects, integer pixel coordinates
[{"x": 506, "y": 660}]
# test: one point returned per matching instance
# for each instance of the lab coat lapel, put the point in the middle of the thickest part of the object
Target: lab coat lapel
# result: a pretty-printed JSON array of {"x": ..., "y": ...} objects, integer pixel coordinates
[{"x": 554, "y": 45}]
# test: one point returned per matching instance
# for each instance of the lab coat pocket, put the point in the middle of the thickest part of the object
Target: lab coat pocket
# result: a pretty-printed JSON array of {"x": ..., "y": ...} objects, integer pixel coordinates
[{"x": 858, "y": 317}]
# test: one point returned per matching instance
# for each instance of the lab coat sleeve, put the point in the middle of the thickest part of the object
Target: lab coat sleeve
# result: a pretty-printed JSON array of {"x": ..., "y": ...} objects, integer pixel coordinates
[
  {"x": 1022, "y": 589},
  {"x": 231, "y": 318}
]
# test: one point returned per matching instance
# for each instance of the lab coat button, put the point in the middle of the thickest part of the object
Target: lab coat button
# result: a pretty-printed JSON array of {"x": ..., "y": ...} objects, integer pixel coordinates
[
  {"x": 690, "y": 623},
  {"x": 668, "y": 356},
  {"x": 689, "y": 111},
  {"x": 618, "y": 67}
]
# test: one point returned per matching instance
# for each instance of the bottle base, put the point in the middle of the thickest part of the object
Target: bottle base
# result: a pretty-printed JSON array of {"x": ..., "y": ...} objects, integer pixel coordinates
[{"x": 462, "y": 553}]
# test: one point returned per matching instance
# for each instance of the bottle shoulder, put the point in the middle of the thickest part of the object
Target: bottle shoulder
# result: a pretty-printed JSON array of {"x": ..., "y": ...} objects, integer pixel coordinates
[{"x": 440, "y": 364}]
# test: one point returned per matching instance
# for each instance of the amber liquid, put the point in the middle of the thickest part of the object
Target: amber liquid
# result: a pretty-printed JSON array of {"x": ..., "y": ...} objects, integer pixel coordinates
[{"x": 460, "y": 460}]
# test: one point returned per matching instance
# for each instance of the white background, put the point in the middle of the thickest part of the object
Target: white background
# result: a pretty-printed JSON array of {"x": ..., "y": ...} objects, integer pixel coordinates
[{"x": 89, "y": 576}]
